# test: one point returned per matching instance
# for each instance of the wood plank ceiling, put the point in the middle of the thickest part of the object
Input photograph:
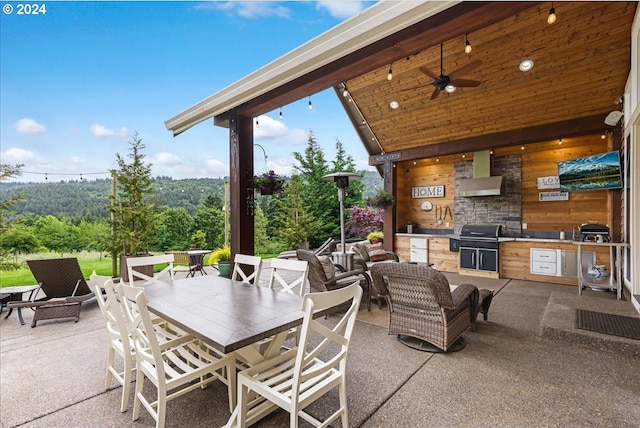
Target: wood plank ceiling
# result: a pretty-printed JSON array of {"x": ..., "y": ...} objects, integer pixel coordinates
[{"x": 581, "y": 66}]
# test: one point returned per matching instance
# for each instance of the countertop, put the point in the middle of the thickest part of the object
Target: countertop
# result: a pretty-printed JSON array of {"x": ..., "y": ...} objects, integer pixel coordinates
[{"x": 501, "y": 239}]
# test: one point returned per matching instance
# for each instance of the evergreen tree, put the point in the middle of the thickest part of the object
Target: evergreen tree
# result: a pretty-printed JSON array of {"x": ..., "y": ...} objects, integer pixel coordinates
[
  {"x": 134, "y": 222},
  {"x": 318, "y": 196},
  {"x": 7, "y": 204},
  {"x": 298, "y": 223}
]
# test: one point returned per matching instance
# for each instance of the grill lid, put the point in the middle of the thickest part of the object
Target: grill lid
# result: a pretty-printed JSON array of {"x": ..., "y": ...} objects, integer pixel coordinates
[{"x": 486, "y": 231}]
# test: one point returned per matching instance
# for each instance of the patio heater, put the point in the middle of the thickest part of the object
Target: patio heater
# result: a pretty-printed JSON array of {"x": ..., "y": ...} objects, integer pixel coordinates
[{"x": 341, "y": 181}]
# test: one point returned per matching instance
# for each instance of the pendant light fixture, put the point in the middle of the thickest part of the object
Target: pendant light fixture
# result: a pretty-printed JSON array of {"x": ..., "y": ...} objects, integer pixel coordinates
[
  {"x": 551, "y": 19},
  {"x": 467, "y": 45}
]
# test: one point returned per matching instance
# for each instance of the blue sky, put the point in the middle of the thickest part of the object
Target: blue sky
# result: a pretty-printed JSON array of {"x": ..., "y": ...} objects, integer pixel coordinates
[{"x": 78, "y": 81}]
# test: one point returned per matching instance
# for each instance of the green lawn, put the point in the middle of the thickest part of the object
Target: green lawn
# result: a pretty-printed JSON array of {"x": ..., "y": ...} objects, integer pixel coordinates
[{"x": 88, "y": 262}]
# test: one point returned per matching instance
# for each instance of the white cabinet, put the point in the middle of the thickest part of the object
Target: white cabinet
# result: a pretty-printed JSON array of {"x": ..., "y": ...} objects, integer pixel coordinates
[
  {"x": 544, "y": 261},
  {"x": 419, "y": 250}
]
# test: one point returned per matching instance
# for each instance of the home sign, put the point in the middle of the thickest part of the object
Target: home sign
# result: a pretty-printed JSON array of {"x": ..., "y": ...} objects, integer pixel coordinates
[{"x": 428, "y": 192}]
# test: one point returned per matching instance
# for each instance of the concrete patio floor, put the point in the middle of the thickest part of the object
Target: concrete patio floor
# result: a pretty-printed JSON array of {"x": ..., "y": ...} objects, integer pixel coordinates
[{"x": 527, "y": 366}]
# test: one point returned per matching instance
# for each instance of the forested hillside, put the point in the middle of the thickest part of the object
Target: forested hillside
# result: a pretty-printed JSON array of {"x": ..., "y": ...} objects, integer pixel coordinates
[{"x": 90, "y": 198}]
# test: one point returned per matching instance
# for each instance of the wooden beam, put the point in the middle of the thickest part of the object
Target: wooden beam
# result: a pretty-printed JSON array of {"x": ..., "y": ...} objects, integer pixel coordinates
[
  {"x": 570, "y": 128},
  {"x": 240, "y": 182}
]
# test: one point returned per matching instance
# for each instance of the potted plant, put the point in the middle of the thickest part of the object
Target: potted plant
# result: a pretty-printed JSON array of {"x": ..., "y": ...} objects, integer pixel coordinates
[
  {"x": 222, "y": 257},
  {"x": 132, "y": 217},
  {"x": 381, "y": 200},
  {"x": 375, "y": 237},
  {"x": 268, "y": 183}
]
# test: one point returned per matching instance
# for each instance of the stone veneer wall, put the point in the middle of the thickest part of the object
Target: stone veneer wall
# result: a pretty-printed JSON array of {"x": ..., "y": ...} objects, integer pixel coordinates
[{"x": 505, "y": 209}]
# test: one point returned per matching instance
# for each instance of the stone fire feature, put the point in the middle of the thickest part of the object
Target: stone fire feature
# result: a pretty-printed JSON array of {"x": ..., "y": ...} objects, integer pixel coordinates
[{"x": 505, "y": 209}]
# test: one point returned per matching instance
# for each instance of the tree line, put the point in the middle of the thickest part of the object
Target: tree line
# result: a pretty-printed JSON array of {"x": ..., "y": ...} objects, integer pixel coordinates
[{"x": 73, "y": 216}]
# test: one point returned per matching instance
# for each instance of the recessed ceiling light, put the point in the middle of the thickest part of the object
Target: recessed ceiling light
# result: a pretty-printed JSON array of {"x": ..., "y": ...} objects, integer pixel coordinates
[
  {"x": 394, "y": 104},
  {"x": 526, "y": 65},
  {"x": 450, "y": 89}
]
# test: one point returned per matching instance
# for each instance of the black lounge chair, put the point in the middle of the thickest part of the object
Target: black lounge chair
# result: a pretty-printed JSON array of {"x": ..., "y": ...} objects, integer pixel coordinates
[{"x": 64, "y": 286}]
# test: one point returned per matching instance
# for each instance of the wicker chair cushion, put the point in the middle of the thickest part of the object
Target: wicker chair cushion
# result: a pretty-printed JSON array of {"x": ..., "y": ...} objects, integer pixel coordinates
[
  {"x": 376, "y": 252},
  {"x": 327, "y": 266},
  {"x": 360, "y": 248}
]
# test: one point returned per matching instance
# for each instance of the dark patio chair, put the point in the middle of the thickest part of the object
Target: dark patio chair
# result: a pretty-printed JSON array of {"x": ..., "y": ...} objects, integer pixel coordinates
[
  {"x": 64, "y": 286},
  {"x": 423, "y": 307},
  {"x": 325, "y": 278},
  {"x": 323, "y": 249}
]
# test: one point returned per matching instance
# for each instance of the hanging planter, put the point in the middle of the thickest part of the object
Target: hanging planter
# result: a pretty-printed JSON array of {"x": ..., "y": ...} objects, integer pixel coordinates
[
  {"x": 268, "y": 183},
  {"x": 381, "y": 200}
]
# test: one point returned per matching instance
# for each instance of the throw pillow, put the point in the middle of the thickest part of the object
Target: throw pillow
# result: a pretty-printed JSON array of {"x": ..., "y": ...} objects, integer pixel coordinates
[
  {"x": 376, "y": 252},
  {"x": 327, "y": 266}
]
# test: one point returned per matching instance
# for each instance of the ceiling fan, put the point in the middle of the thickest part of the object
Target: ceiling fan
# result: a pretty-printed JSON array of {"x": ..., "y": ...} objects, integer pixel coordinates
[{"x": 442, "y": 81}]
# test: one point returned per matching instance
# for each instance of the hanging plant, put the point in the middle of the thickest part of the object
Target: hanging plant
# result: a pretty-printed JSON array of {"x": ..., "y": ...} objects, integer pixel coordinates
[
  {"x": 268, "y": 183},
  {"x": 381, "y": 200}
]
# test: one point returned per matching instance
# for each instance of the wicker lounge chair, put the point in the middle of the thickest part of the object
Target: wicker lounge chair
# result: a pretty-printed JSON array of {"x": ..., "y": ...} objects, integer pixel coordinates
[
  {"x": 65, "y": 288},
  {"x": 325, "y": 278},
  {"x": 422, "y": 306}
]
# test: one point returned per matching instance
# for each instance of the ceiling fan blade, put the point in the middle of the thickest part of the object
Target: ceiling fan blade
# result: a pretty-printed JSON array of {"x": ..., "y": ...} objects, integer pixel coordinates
[
  {"x": 466, "y": 83},
  {"x": 435, "y": 94},
  {"x": 429, "y": 73},
  {"x": 465, "y": 69}
]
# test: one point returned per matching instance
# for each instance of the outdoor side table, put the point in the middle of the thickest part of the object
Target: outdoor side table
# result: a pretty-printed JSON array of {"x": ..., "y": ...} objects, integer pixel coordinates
[{"x": 15, "y": 294}]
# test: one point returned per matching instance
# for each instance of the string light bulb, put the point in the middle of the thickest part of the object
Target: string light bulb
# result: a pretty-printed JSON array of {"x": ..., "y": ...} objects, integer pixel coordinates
[
  {"x": 390, "y": 74},
  {"x": 437, "y": 159},
  {"x": 310, "y": 105},
  {"x": 467, "y": 45},
  {"x": 551, "y": 19},
  {"x": 257, "y": 124},
  {"x": 522, "y": 147},
  {"x": 345, "y": 93},
  {"x": 280, "y": 114},
  {"x": 560, "y": 142}
]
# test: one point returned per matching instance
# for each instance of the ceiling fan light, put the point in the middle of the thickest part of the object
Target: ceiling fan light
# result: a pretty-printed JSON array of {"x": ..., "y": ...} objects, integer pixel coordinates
[
  {"x": 526, "y": 65},
  {"x": 450, "y": 88},
  {"x": 394, "y": 104}
]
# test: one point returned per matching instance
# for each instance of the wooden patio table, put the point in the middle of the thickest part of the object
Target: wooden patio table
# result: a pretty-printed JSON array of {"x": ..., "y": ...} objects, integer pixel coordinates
[{"x": 228, "y": 315}]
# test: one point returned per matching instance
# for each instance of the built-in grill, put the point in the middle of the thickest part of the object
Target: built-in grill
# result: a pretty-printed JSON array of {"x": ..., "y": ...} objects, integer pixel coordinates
[{"x": 479, "y": 245}]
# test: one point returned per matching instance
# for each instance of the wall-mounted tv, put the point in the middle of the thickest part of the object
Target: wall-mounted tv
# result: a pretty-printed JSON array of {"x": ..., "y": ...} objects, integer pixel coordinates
[{"x": 595, "y": 172}]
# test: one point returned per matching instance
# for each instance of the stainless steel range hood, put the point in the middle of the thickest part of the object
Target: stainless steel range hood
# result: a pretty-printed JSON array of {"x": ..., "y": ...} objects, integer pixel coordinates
[{"x": 482, "y": 183}]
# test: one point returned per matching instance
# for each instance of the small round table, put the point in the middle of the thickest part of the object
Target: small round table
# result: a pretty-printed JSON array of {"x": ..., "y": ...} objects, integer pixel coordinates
[{"x": 12, "y": 294}]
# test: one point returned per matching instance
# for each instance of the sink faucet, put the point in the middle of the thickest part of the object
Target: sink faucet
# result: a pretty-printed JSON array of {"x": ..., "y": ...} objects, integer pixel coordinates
[{"x": 573, "y": 232}]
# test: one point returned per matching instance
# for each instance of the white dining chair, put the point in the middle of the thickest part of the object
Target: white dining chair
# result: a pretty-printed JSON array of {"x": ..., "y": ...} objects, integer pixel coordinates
[
  {"x": 188, "y": 363},
  {"x": 290, "y": 275},
  {"x": 298, "y": 377},
  {"x": 117, "y": 334},
  {"x": 165, "y": 274},
  {"x": 241, "y": 260}
]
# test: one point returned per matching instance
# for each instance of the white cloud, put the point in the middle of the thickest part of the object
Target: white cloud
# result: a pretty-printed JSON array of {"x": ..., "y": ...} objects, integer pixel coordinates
[
  {"x": 15, "y": 155},
  {"x": 29, "y": 126},
  {"x": 216, "y": 168},
  {"x": 166, "y": 159},
  {"x": 270, "y": 129},
  {"x": 249, "y": 10},
  {"x": 77, "y": 159},
  {"x": 101, "y": 131},
  {"x": 341, "y": 9}
]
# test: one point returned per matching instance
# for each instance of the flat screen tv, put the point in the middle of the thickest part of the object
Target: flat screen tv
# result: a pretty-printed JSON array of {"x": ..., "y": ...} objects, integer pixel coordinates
[{"x": 595, "y": 172}]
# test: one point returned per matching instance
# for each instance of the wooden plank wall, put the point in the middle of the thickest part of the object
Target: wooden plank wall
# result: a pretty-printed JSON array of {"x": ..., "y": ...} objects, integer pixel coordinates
[{"x": 538, "y": 160}]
